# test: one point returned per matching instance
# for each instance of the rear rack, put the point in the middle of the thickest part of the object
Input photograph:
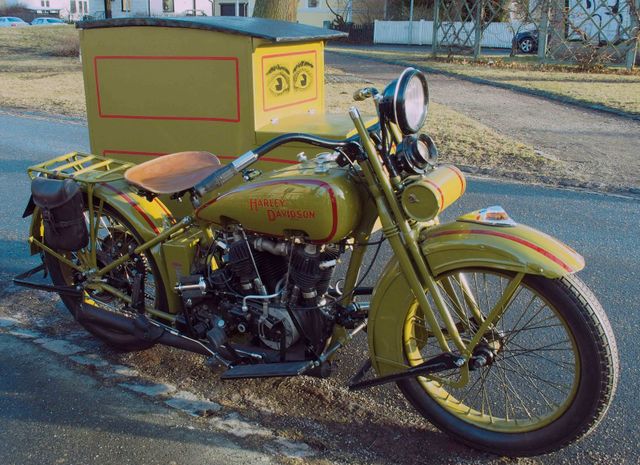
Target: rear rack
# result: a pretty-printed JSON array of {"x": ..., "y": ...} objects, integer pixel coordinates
[{"x": 81, "y": 167}]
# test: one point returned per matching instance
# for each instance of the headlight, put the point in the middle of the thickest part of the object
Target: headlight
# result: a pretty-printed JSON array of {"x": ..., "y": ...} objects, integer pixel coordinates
[
  {"x": 406, "y": 101},
  {"x": 416, "y": 155}
]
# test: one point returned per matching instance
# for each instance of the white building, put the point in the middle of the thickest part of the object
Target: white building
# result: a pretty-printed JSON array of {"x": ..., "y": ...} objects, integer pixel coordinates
[
  {"x": 66, "y": 9},
  {"x": 313, "y": 12}
]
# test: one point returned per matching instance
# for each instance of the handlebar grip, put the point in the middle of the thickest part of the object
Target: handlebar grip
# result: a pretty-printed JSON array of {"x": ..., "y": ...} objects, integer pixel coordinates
[{"x": 216, "y": 179}]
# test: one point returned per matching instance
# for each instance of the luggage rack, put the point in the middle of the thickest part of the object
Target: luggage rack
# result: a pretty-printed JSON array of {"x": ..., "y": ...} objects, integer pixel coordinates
[{"x": 81, "y": 167}]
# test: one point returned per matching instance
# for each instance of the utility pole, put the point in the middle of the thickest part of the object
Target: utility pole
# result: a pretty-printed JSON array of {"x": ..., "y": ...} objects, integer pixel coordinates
[
  {"x": 633, "y": 46},
  {"x": 410, "y": 23},
  {"x": 107, "y": 9}
]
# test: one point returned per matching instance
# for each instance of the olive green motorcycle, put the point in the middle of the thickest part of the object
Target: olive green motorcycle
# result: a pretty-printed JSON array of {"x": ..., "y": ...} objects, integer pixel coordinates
[{"x": 481, "y": 322}]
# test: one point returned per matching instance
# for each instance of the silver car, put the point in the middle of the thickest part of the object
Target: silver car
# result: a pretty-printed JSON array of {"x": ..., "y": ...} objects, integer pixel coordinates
[
  {"x": 47, "y": 22},
  {"x": 11, "y": 21}
]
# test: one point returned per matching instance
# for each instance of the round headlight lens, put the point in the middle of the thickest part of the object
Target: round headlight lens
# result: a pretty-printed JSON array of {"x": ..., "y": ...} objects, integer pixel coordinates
[
  {"x": 406, "y": 101},
  {"x": 415, "y": 103}
]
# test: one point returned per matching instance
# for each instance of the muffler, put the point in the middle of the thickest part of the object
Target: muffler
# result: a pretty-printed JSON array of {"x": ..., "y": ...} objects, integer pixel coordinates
[{"x": 141, "y": 327}]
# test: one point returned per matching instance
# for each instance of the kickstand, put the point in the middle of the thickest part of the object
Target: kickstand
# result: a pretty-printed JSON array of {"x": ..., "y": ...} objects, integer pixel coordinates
[
  {"x": 364, "y": 369},
  {"x": 137, "y": 291}
]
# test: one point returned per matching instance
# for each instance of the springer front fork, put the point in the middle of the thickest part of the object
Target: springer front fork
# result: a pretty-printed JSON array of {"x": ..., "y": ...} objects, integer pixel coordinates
[{"x": 403, "y": 241}]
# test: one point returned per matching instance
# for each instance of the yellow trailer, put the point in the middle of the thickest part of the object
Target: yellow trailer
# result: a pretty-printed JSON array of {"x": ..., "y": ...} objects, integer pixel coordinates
[{"x": 219, "y": 84}]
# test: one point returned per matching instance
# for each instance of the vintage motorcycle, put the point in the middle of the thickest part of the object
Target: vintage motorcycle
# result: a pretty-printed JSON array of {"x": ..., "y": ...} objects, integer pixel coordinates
[{"x": 480, "y": 322}]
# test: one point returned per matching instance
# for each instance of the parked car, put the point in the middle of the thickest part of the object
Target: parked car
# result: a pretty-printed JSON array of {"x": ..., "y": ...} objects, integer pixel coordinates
[
  {"x": 47, "y": 22},
  {"x": 526, "y": 41},
  {"x": 11, "y": 21},
  {"x": 192, "y": 13}
]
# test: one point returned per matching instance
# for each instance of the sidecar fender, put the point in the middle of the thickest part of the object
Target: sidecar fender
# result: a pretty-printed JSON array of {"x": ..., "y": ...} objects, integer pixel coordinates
[{"x": 453, "y": 246}]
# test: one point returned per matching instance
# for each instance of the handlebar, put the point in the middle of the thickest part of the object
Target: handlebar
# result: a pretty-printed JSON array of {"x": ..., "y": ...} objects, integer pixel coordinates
[{"x": 220, "y": 177}]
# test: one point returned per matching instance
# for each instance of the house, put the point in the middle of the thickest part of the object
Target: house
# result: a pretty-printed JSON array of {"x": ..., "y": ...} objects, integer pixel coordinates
[
  {"x": 312, "y": 12},
  {"x": 65, "y": 9}
]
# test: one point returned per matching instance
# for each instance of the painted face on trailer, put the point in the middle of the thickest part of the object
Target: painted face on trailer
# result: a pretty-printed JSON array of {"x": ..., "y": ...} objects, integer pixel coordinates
[{"x": 281, "y": 79}]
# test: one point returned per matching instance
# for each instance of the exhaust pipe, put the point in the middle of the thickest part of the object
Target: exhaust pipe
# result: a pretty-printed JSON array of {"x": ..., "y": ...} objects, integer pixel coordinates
[{"x": 142, "y": 328}]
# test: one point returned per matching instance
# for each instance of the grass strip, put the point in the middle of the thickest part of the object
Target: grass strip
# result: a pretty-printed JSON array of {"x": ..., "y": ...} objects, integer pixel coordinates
[{"x": 613, "y": 91}]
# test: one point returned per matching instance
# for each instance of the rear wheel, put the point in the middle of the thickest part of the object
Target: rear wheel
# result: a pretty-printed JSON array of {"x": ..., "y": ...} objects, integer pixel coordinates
[
  {"x": 552, "y": 368},
  {"x": 114, "y": 238}
]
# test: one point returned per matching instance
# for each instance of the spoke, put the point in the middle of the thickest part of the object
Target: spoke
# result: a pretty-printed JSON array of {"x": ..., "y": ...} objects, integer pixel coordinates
[
  {"x": 527, "y": 374},
  {"x": 544, "y": 305},
  {"x": 527, "y": 327},
  {"x": 557, "y": 386},
  {"x": 506, "y": 395},
  {"x": 471, "y": 388},
  {"x": 524, "y": 312},
  {"x": 548, "y": 347},
  {"x": 486, "y": 292},
  {"x": 515, "y": 392},
  {"x": 558, "y": 363},
  {"x": 458, "y": 310}
]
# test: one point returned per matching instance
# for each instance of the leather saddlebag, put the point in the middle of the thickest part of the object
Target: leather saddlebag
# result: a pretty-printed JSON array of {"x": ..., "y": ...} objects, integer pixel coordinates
[{"x": 62, "y": 213}]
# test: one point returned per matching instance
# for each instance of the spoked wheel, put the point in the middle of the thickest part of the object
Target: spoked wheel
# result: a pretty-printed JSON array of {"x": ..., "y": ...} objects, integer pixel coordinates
[
  {"x": 551, "y": 368},
  {"x": 115, "y": 236}
]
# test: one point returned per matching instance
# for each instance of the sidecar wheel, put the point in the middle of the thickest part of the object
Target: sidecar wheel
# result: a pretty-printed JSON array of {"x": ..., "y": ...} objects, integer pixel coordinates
[
  {"x": 552, "y": 377},
  {"x": 62, "y": 274}
]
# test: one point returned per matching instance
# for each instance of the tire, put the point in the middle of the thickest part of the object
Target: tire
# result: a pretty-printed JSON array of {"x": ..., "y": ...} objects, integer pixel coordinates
[
  {"x": 61, "y": 274},
  {"x": 526, "y": 45},
  {"x": 574, "y": 310}
]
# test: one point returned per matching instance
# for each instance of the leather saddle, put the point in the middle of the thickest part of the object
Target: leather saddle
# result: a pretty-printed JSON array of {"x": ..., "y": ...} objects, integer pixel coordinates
[{"x": 173, "y": 173}]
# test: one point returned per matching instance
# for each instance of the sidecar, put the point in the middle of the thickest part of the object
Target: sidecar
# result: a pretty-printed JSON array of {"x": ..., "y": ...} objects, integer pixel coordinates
[{"x": 218, "y": 84}]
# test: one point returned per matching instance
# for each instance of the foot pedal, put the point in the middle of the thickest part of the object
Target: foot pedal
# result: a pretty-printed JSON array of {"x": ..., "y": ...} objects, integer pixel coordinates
[
  {"x": 29, "y": 279},
  {"x": 268, "y": 370}
]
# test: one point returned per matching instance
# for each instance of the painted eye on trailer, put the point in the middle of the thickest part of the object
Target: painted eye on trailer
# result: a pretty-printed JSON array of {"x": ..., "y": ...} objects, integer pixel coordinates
[
  {"x": 302, "y": 75},
  {"x": 278, "y": 80}
]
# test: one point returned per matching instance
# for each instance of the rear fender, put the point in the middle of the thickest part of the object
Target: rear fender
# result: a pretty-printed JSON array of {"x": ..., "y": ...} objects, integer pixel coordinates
[{"x": 148, "y": 218}]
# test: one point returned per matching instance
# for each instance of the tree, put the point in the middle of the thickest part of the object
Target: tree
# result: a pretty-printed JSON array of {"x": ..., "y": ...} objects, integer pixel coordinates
[{"x": 286, "y": 10}]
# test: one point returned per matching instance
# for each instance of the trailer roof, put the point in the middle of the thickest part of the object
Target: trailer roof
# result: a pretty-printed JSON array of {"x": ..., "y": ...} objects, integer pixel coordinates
[{"x": 275, "y": 31}]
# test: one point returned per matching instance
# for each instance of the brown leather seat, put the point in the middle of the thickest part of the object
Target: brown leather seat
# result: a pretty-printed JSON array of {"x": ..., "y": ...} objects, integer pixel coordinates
[{"x": 172, "y": 173}]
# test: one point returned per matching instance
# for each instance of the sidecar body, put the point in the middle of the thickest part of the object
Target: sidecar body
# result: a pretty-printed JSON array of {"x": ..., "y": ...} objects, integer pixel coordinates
[{"x": 219, "y": 84}]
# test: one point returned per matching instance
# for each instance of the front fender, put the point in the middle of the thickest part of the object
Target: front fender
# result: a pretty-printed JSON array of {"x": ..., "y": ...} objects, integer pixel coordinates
[
  {"x": 518, "y": 248},
  {"x": 454, "y": 246}
]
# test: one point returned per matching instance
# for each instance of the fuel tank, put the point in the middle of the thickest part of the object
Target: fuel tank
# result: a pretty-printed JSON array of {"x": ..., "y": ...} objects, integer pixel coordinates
[{"x": 316, "y": 198}]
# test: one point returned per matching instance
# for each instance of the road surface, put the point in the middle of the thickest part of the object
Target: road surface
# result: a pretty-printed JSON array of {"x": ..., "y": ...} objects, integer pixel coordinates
[{"x": 603, "y": 228}]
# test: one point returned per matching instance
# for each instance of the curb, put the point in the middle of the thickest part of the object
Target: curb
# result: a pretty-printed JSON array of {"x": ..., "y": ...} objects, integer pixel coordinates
[
  {"x": 40, "y": 115},
  {"x": 487, "y": 82}
]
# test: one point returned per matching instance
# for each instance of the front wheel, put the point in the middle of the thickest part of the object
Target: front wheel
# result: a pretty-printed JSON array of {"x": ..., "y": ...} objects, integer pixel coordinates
[{"x": 552, "y": 371}]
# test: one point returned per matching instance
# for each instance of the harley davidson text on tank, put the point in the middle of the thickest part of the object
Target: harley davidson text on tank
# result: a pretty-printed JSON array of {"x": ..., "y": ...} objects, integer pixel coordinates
[{"x": 481, "y": 322}]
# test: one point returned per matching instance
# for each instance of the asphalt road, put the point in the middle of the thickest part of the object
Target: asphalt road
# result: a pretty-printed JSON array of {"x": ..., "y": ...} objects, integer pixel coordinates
[
  {"x": 603, "y": 228},
  {"x": 50, "y": 414}
]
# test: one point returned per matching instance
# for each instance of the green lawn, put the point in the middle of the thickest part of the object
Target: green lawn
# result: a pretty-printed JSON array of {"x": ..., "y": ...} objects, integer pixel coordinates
[{"x": 614, "y": 88}]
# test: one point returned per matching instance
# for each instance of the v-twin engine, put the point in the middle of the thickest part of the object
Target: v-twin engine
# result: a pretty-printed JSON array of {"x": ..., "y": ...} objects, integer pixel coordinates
[{"x": 271, "y": 293}]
